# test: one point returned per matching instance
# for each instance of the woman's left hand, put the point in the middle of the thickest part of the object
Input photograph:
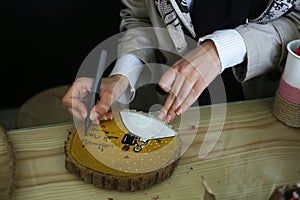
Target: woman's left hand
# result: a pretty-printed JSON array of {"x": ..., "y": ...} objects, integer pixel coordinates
[{"x": 187, "y": 79}]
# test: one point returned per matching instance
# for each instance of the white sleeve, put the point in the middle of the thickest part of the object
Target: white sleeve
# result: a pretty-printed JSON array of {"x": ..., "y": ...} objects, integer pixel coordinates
[
  {"x": 230, "y": 46},
  {"x": 130, "y": 66}
]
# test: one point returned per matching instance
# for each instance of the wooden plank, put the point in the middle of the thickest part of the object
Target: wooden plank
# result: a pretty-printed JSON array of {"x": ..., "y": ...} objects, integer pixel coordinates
[{"x": 254, "y": 154}]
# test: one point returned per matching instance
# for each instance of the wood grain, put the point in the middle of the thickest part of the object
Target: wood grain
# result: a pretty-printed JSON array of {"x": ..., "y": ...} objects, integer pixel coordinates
[{"x": 252, "y": 156}]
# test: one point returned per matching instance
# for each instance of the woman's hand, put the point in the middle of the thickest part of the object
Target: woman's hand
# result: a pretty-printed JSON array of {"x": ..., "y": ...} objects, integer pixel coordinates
[
  {"x": 187, "y": 79},
  {"x": 110, "y": 90}
]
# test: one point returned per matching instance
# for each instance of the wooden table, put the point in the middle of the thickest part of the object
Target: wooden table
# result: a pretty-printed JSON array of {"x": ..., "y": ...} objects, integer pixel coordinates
[{"x": 254, "y": 154}]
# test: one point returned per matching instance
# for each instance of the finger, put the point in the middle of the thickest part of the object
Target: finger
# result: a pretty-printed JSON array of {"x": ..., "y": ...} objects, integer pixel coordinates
[
  {"x": 185, "y": 90},
  {"x": 79, "y": 106},
  {"x": 107, "y": 116},
  {"x": 170, "y": 116},
  {"x": 192, "y": 97},
  {"x": 165, "y": 109},
  {"x": 171, "y": 82},
  {"x": 167, "y": 79},
  {"x": 79, "y": 91},
  {"x": 175, "y": 89},
  {"x": 67, "y": 98},
  {"x": 162, "y": 113},
  {"x": 191, "y": 76},
  {"x": 105, "y": 101},
  {"x": 97, "y": 118},
  {"x": 76, "y": 108},
  {"x": 71, "y": 100}
]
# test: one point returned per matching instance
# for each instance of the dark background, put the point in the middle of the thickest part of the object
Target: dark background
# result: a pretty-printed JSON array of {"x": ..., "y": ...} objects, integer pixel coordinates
[{"x": 44, "y": 42}]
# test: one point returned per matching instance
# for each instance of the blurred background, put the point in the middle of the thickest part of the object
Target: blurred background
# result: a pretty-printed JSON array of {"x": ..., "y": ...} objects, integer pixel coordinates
[{"x": 44, "y": 43}]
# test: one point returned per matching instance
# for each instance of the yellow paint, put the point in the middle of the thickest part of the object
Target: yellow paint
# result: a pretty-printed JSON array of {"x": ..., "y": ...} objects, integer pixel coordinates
[{"x": 103, "y": 145}]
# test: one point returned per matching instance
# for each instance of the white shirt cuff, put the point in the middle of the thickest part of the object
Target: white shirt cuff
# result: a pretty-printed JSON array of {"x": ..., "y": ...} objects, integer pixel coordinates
[
  {"x": 130, "y": 66},
  {"x": 230, "y": 46}
]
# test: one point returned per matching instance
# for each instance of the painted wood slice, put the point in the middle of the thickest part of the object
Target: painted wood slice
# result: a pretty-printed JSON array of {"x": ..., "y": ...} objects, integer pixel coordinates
[{"x": 132, "y": 152}]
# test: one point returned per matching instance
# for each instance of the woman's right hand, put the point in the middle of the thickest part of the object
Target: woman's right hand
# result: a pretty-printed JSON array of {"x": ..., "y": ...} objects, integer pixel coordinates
[{"x": 110, "y": 90}]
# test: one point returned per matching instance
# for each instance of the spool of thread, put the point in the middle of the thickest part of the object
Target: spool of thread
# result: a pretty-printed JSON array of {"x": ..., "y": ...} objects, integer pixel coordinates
[{"x": 286, "y": 107}]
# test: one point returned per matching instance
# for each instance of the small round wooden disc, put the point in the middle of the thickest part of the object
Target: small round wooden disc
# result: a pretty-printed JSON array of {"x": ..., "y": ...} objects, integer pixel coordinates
[
  {"x": 44, "y": 108},
  {"x": 111, "y": 158},
  {"x": 7, "y": 166}
]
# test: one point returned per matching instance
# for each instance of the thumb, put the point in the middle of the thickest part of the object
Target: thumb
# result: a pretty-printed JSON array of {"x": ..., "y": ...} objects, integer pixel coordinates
[
  {"x": 167, "y": 79},
  {"x": 103, "y": 105}
]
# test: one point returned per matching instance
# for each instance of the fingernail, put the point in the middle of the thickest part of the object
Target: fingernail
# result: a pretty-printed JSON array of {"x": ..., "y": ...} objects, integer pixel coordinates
[
  {"x": 93, "y": 116},
  {"x": 179, "y": 111}
]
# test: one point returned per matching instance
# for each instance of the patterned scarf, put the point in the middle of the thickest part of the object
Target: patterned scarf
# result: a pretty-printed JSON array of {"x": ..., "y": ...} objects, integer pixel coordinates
[
  {"x": 175, "y": 15},
  {"x": 276, "y": 9}
]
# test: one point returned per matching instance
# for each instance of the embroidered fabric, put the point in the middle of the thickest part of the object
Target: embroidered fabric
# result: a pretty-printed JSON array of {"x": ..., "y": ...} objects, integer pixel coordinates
[
  {"x": 175, "y": 13},
  {"x": 276, "y": 9}
]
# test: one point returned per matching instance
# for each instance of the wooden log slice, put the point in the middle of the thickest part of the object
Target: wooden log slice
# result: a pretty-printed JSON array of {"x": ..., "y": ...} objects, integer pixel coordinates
[
  {"x": 32, "y": 112},
  {"x": 110, "y": 157},
  {"x": 7, "y": 166}
]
